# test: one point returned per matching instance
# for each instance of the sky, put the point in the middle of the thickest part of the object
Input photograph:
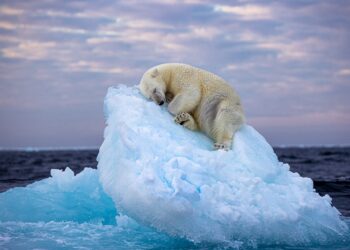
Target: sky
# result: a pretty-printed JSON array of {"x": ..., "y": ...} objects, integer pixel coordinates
[{"x": 288, "y": 60}]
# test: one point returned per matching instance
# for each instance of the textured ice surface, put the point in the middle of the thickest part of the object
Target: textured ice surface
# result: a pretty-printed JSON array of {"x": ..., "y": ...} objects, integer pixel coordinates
[
  {"x": 72, "y": 212},
  {"x": 169, "y": 178},
  {"x": 63, "y": 197}
]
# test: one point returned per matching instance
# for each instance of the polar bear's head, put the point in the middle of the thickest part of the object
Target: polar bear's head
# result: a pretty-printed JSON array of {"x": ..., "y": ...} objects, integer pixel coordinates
[{"x": 152, "y": 86}]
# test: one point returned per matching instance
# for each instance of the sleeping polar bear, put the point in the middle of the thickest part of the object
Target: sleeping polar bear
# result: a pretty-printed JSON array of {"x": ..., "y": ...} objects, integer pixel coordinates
[{"x": 200, "y": 100}]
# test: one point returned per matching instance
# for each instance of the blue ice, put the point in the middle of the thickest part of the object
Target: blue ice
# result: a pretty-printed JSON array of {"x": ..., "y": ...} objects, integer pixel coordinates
[{"x": 159, "y": 185}]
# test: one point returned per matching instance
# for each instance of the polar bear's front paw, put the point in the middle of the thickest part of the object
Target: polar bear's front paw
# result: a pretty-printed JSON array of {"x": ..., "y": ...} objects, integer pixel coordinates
[
  {"x": 223, "y": 146},
  {"x": 181, "y": 118}
]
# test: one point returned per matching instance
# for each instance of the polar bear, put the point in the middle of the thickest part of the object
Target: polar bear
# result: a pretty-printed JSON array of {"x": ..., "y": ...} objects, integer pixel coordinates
[{"x": 198, "y": 99}]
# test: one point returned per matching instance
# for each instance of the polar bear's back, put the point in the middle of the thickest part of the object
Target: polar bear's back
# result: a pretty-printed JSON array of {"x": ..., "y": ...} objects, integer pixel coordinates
[{"x": 187, "y": 74}]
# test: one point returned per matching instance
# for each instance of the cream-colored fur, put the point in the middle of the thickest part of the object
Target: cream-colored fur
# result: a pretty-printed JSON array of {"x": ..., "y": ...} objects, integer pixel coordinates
[{"x": 200, "y": 100}]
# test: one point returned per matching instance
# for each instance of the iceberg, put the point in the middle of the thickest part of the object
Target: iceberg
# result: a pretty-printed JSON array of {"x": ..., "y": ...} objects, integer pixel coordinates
[{"x": 170, "y": 178}]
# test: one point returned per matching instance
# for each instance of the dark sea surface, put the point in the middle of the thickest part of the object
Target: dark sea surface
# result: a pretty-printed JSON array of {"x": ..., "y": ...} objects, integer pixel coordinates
[{"x": 328, "y": 167}]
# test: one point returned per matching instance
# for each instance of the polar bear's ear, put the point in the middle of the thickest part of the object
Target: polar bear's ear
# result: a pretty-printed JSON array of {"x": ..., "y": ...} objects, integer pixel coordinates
[{"x": 155, "y": 73}]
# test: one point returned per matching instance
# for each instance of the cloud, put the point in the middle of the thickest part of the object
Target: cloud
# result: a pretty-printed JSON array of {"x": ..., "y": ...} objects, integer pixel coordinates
[
  {"x": 9, "y": 39},
  {"x": 65, "y": 30},
  {"x": 140, "y": 23},
  {"x": 205, "y": 32},
  {"x": 246, "y": 12},
  {"x": 344, "y": 72},
  {"x": 231, "y": 67},
  {"x": 40, "y": 28},
  {"x": 286, "y": 51},
  {"x": 29, "y": 50},
  {"x": 100, "y": 40},
  {"x": 286, "y": 47},
  {"x": 331, "y": 118},
  {"x": 65, "y": 14},
  {"x": 90, "y": 66},
  {"x": 7, "y": 25},
  {"x": 10, "y": 11}
]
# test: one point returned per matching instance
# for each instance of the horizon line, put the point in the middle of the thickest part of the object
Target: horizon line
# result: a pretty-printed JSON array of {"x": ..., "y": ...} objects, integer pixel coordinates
[{"x": 77, "y": 148}]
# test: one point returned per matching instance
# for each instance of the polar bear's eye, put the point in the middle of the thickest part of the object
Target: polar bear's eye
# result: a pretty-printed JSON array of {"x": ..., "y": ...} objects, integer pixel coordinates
[{"x": 154, "y": 91}]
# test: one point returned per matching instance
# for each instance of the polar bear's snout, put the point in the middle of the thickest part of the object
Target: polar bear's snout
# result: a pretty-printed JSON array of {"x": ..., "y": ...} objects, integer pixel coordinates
[{"x": 158, "y": 97}]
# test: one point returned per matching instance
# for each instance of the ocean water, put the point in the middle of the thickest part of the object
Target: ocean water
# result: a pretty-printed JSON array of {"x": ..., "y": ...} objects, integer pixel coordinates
[{"x": 90, "y": 223}]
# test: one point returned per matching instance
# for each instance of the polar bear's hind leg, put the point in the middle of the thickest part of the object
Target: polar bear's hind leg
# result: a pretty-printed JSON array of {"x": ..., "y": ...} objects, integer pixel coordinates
[{"x": 226, "y": 124}]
